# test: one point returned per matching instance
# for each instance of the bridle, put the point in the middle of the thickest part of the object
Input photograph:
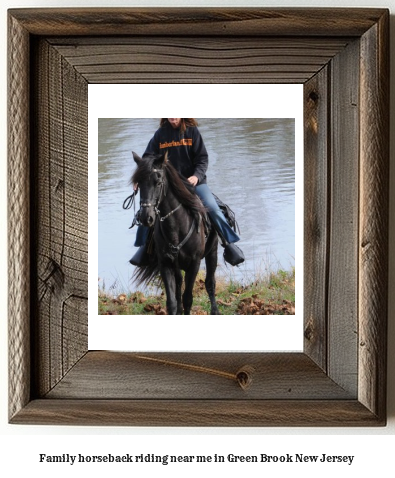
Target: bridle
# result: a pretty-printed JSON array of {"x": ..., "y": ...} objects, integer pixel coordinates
[
  {"x": 174, "y": 250},
  {"x": 162, "y": 193},
  {"x": 130, "y": 201}
]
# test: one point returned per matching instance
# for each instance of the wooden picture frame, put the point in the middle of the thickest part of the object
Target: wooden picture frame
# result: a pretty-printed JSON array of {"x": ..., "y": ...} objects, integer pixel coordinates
[{"x": 342, "y": 58}]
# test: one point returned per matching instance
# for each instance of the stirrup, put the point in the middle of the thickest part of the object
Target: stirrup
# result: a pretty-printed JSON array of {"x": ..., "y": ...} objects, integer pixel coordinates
[
  {"x": 141, "y": 258},
  {"x": 233, "y": 254}
]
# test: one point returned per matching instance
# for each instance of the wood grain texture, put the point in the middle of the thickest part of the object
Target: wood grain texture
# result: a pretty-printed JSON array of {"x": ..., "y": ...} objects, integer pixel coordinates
[
  {"x": 373, "y": 235},
  {"x": 316, "y": 214},
  {"x": 341, "y": 56},
  {"x": 61, "y": 231},
  {"x": 208, "y": 60},
  {"x": 201, "y": 413},
  {"x": 327, "y": 22},
  {"x": 283, "y": 376},
  {"x": 343, "y": 223},
  {"x": 18, "y": 218}
]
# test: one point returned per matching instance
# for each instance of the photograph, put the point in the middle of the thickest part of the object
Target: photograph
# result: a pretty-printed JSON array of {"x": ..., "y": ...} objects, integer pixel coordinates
[{"x": 211, "y": 213}]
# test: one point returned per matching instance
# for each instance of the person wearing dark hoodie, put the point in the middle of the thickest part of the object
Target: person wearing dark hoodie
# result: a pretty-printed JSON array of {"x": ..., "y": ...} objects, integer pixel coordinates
[{"x": 180, "y": 138}]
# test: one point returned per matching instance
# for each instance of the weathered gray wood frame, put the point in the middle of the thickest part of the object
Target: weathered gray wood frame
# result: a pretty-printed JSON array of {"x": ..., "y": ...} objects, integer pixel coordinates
[{"x": 341, "y": 56}]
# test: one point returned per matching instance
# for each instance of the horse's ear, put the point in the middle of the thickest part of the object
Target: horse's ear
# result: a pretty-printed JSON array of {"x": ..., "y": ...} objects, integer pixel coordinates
[
  {"x": 136, "y": 157},
  {"x": 161, "y": 160}
]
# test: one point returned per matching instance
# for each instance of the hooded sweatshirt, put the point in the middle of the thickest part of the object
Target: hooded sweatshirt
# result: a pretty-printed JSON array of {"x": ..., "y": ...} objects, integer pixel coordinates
[{"x": 186, "y": 151}]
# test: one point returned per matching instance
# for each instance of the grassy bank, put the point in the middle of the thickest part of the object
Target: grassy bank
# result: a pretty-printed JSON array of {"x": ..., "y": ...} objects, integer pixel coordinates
[{"x": 274, "y": 295}]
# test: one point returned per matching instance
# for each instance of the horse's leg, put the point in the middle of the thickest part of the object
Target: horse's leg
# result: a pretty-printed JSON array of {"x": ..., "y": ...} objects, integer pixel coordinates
[
  {"x": 178, "y": 278},
  {"x": 190, "y": 277},
  {"x": 169, "y": 281},
  {"x": 211, "y": 266}
]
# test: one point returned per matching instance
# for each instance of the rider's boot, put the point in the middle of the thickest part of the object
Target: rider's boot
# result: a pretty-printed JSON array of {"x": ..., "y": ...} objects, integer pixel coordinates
[
  {"x": 141, "y": 257},
  {"x": 232, "y": 254}
]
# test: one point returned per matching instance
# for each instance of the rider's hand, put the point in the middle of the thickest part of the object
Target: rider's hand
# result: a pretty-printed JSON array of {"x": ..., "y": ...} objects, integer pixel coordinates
[
  {"x": 193, "y": 180},
  {"x": 135, "y": 187}
]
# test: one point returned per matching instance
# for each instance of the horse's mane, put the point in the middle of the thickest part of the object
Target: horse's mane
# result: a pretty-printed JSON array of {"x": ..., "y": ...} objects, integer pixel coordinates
[{"x": 179, "y": 185}]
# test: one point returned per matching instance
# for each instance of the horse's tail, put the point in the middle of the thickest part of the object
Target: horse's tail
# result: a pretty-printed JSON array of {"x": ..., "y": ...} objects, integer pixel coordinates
[{"x": 149, "y": 274}]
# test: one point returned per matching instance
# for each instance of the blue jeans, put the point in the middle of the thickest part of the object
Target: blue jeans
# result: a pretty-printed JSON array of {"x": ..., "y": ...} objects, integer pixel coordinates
[{"x": 216, "y": 216}]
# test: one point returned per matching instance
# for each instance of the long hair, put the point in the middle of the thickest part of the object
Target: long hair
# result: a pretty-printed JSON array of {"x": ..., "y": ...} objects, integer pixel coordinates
[{"x": 185, "y": 122}]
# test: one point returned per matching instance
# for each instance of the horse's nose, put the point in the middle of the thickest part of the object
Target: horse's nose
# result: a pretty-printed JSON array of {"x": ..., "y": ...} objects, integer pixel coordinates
[{"x": 150, "y": 220}]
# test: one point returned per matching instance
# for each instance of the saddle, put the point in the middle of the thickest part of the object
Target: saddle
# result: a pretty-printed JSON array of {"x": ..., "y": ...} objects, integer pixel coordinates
[
  {"x": 230, "y": 216},
  {"x": 227, "y": 212}
]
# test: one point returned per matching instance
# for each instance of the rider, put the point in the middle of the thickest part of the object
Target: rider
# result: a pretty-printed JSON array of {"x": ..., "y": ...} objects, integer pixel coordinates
[{"x": 181, "y": 139}]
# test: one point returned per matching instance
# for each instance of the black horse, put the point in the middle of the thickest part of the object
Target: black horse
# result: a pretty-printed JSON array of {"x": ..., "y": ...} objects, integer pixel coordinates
[{"x": 169, "y": 205}]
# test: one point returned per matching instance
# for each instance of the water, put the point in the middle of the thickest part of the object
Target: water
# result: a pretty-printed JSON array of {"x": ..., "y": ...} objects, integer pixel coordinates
[{"x": 251, "y": 168}]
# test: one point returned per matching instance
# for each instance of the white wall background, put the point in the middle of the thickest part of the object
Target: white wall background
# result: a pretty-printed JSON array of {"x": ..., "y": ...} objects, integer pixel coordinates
[{"x": 22, "y": 444}]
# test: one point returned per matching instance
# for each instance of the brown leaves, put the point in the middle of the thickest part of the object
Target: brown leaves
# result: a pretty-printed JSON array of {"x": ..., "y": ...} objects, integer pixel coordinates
[
  {"x": 226, "y": 304},
  {"x": 156, "y": 308},
  {"x": 198, "y": 310},
  {"x": 199, "y": 286},
  {"x": 255, "y": 306},
  {"x": 123, "y": 299},
  {"x": 117, "y": 305}
]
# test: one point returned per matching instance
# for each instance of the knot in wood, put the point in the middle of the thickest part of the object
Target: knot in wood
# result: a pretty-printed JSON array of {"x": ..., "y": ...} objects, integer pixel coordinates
[
  {"x": 308, "y": 332},
  {"x": 244, "y": 376},
  {"x": 313, "y": 96}
]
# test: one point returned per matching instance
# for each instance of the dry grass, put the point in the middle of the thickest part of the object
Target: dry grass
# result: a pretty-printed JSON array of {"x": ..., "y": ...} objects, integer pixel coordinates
[{"x": 273, "y": 295}]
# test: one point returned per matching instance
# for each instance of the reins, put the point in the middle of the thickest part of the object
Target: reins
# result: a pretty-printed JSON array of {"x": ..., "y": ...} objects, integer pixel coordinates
[
  {"x": 161, "y": 219},
  {"x": 130, "y": 200},
  {"x": 127, "y": 204}
]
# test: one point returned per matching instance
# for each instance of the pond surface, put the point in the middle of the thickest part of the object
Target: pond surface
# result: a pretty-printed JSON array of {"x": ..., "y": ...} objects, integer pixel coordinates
[{"x": 251, "y": 168}]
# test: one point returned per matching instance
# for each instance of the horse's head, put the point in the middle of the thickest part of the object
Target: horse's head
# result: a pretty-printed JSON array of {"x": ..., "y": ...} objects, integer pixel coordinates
[{"x": 150, "y": 177}]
